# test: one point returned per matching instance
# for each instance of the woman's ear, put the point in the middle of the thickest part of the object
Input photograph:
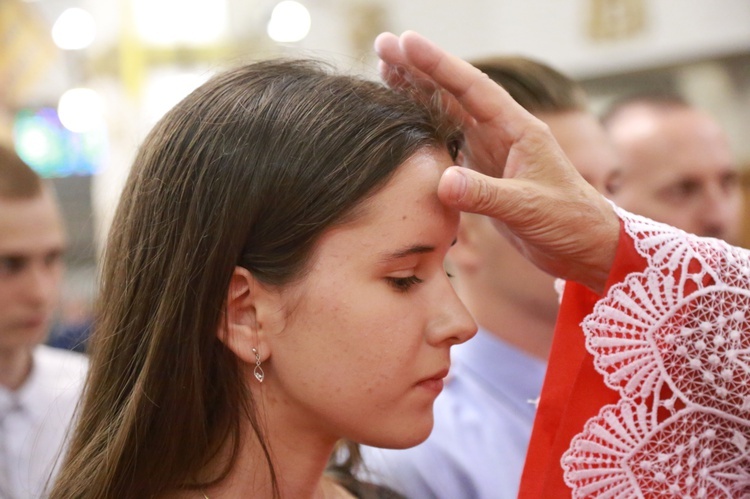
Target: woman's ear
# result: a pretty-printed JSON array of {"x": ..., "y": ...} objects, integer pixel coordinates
[{"x": 252, "y": 313}]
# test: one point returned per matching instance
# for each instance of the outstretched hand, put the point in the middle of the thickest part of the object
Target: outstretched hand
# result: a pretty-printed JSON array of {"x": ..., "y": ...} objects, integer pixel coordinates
[{"x": 526, "y": 184}]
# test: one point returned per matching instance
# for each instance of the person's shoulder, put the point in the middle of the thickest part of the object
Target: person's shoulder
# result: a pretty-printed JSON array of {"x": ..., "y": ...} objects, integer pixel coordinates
[
  {"x": 55, "y": 384},
  {"x": 60, "y": 356},
  {"x": 59, "y": 365}
]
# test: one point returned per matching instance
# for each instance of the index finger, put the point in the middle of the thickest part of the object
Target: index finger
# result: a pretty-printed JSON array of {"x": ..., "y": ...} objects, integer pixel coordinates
[
  {"x": 397, "y": 73},
  {"x": 482, "y": 98}
]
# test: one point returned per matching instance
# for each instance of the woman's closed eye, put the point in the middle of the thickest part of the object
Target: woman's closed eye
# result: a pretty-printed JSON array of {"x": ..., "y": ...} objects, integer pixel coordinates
[{"x": 404, "y": 283}]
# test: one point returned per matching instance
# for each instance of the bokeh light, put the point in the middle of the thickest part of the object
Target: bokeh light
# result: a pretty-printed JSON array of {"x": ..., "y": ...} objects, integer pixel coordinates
[
  {"x": 180, "y": 22},
  {"x": 290, "y": 22},
  {"x": 52, "y": 150},
  {"x": 81, "y": 110},
  {"x": 75, "y": 29}
]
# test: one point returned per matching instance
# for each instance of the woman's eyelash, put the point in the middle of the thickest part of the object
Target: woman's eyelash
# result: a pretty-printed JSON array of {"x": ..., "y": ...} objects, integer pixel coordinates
[{"x": 404, "y": 283}]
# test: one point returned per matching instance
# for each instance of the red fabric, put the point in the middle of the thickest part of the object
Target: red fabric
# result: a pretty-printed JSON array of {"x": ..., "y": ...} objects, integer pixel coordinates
[{"x": 573, "y": 391}]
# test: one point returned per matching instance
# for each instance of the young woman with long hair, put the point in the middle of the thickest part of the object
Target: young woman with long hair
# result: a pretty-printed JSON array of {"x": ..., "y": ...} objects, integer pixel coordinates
[{"x": 273, "y": 283}]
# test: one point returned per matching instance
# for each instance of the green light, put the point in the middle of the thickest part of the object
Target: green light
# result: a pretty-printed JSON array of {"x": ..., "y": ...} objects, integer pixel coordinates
[{"x": 53, "y": 151}]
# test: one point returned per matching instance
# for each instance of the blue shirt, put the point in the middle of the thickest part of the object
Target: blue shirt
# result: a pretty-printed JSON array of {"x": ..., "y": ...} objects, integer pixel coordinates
[{"x": 483, "y": 423}]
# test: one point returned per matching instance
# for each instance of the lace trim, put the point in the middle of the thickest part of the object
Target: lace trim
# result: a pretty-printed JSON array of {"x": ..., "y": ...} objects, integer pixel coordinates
[{"x": 674, "y": 341}]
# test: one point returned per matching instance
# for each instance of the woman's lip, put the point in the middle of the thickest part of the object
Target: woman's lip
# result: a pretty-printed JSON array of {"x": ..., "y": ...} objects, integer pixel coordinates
[
  {"x": 432, "y": 385},
  {"x": 435, "y": 382}
]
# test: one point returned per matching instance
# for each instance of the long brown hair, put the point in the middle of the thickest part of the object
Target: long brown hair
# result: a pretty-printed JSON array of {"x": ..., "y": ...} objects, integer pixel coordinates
[{"x": 250, "y": 169}]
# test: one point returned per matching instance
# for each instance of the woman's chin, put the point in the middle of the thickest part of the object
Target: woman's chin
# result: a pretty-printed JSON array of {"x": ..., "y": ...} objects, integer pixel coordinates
[{"x": 407, "y": 436}]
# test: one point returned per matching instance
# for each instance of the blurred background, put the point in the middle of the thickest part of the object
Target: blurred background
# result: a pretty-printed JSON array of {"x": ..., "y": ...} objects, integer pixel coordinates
[{"x": 82, "y": 81}]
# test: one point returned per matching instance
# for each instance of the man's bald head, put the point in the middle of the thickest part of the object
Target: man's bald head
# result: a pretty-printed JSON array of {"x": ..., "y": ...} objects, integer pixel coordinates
[{"x": 677, "y": 166}]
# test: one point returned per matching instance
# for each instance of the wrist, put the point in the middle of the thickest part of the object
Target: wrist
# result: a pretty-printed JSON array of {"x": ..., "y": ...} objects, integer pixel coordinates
[{"x": 603, "y": 254}]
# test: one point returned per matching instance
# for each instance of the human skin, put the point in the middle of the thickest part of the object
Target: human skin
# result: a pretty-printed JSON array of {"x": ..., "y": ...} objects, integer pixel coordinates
[
  {"x": 362, "y": 331},
  {"x": 507, "y": 294},
  {"x": 585, "y": 142},
  {"x": 678, "y": 169},
  {"x": 359, "y": 346},
  {"x": 32, "y": 242},
  {"x": 531, "y": 189}
]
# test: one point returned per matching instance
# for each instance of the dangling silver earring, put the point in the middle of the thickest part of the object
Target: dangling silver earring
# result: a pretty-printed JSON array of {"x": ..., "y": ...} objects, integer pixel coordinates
[{"x": 258, "y": 371}]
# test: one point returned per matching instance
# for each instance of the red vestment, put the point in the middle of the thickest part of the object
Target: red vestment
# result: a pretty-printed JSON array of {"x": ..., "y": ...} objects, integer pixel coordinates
[{"x": 647, "y": 391}]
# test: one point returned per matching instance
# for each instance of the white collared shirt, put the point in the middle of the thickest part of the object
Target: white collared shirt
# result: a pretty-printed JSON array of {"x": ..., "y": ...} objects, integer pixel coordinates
[{"x": 39, "y": 414}]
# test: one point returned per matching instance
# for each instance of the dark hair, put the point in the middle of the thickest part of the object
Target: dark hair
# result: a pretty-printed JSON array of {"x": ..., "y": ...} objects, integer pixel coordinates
[
  {"x": 657, "y": 100},
  {"x": 250, "y": 169},
  {"x": 537, "y": 87},
  {"x": 17, "y": 179}
]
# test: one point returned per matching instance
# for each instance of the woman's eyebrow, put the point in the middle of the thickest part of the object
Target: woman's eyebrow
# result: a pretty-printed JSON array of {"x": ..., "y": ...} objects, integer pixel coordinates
[{"x": 416, "y": 249}]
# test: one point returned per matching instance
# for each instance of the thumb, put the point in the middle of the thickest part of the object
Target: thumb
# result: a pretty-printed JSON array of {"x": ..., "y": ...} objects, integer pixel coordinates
[{"x": 468, "y": 190}]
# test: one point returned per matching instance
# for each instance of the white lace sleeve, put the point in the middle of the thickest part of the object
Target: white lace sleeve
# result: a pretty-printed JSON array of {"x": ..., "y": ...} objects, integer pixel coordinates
[{"x": 674, "y": 341}]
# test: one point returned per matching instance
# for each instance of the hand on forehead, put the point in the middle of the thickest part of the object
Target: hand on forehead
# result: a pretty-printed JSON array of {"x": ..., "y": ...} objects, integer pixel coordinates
[{"x": 470, "y": 96}]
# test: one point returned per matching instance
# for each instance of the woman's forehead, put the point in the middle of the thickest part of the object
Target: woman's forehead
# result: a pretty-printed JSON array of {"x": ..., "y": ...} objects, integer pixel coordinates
[
  {"x": 413, "y": 185},
  {"x": 406, "y": 210}
]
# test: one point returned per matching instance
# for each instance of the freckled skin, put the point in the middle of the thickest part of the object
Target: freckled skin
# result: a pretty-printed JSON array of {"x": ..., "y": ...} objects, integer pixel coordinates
[
  {"x": 355, "y": 346},
  {"x": 507, "y": 295}
]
